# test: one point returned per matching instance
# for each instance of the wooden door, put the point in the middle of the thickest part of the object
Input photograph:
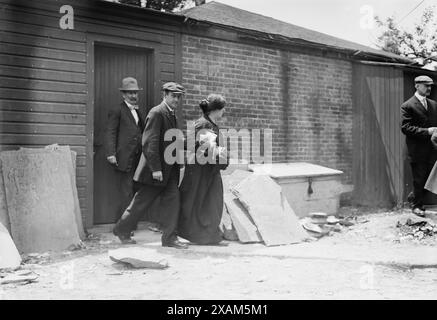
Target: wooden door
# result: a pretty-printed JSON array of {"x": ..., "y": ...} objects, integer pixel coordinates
[
  {"x": 377, "y": 158},
  {"x": 112, "y": 64}
]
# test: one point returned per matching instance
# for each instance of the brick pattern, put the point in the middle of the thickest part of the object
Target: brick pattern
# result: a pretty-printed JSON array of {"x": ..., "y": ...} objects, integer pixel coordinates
[{"x": 305, "y": 100}]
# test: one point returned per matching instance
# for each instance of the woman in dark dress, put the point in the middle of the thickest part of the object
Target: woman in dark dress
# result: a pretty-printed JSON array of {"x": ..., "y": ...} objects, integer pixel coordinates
[{"x": 201, "y": 189}]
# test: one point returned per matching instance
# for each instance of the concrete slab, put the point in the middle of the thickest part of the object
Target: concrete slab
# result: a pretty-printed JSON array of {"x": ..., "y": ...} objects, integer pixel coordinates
[
  {"x": 69, "y": 157},
  {"x": 231, "y": 180},
  {"x": 4, "y": 216},
  {"x": 9, "y": 256},
  {"x": 40, "y": 200},
  {"x": 246, "y": 230},
  {"x": 268, "y": 208}
]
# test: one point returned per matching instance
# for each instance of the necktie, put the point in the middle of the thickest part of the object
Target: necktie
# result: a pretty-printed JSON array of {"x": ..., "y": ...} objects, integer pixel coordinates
[
  {"x": 425, "y": 104},
  {"x": 173, "y": 115},
  {"x": 133, "y": 107}
]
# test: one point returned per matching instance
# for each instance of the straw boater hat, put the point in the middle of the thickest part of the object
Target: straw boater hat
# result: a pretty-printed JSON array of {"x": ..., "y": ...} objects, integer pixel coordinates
[{"x": 129, "y": 84}]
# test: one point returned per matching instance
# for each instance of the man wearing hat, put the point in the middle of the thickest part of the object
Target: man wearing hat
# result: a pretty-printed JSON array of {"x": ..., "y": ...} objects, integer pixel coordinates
[
  {"x": 157, "y": 177},
  {"x": 123, "y": 141},
  {"x": 418, "y": 123}
]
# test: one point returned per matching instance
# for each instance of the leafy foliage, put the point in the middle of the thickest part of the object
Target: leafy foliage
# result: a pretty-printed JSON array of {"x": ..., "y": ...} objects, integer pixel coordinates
[
  {"x": 161, "y": 5},
  {"x": 420, "y": 43}
]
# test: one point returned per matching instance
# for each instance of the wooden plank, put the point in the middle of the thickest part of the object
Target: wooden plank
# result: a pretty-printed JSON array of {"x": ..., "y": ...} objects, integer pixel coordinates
[
  {"x": 167, "y": 67},
  {"x": 246, "y": 230},
  {"x": 6, "y": 93},
  {"x": 43, "y": 107},
  {"x": 26, "y": 139},
  {"x": 134, "y": 19},
  {"x": 32, "y": 51},
  {"x": 42, "y": 63},
  {"x": 42, "y": 41},
  {"x": 81, "y": 160},
  {"x": 41, "y": 74},
  {"x": 41, "y": 128},
  {"x": 166, "y": 57},
  {"x": 34, "y": 117},
  {"x": 34, "y": 84},
  {"x": 85, "y": 22},
  {"x": 24, "y": 27}
]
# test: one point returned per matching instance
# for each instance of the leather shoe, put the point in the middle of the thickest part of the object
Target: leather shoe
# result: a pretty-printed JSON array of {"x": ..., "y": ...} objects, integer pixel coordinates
[
  {"x": 125, "y": 239},
  {"x": 176, "y": 244},
  {"x": 419, "y": 212}
]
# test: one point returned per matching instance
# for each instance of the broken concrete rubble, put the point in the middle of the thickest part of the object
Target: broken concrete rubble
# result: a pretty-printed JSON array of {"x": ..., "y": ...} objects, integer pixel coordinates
[
  {"x": 18, "y": 277},
  {"x": 417, "y": 228},
  {"x": 139, "y": 258}
]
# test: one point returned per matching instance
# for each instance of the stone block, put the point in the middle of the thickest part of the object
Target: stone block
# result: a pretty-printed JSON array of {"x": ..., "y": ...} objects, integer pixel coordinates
[{"x": 40, "y": 200}]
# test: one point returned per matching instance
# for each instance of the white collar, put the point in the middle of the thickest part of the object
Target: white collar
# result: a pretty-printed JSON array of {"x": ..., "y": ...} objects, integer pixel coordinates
[
  {"x": 128, "y": 104},
  {"x": 421, "y": 98},
  {"x": 169, "y": 109}
]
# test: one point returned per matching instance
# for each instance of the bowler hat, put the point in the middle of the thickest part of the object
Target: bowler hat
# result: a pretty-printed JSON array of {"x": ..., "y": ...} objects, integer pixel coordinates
[
  {"x": 424, "y": 80},
  {"x": 173, "y": 87},
  {"x": 129, "y": 84}
]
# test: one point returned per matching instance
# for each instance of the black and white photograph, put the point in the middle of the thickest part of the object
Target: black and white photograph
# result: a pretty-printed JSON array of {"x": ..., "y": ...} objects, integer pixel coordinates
[{"x": 229, "y": 152}]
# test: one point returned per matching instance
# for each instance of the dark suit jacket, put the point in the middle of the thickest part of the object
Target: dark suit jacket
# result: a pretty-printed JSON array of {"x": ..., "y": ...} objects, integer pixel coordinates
[
  {"x": 415, "y": 121},
  {"x": 123, "y": 136},
  {"x": 158, "y": 121}
]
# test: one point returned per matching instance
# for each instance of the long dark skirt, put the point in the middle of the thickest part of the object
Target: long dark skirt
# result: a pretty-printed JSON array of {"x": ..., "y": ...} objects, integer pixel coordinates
[{"x": 201, "y": 204}]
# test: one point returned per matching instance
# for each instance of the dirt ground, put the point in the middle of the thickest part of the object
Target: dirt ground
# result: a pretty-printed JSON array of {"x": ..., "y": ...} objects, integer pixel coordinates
[{"x": 245, "y": 271}]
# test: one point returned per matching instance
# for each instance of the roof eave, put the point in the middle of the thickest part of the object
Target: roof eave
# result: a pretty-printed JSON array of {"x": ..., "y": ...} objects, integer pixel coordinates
[{"x": 280, "y": 39}]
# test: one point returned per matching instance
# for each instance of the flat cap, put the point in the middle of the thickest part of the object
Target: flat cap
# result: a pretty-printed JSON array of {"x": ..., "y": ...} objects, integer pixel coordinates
[
  {"x": 424, "y": 80},
  {"x": 173, "y": 87}
]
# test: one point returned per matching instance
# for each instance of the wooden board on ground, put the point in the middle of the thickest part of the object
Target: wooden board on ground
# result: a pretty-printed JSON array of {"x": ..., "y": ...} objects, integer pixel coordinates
[
  {"x": 263, "y": 199},
  {"x": 246, "y": 230},
  {"x": 9, "y": 256},
  {"x": 40, "y": 200}
]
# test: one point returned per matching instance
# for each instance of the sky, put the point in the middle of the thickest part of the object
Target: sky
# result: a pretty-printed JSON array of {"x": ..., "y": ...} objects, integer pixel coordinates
[{"x": 346, "y": 19}]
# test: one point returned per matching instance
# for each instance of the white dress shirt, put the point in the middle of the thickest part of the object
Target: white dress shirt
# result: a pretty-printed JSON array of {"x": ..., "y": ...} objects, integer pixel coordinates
[
  {"x": 422, "y": 99},
  {"x": 132, "y": 110},
  {"x": 169, "y": 109}
]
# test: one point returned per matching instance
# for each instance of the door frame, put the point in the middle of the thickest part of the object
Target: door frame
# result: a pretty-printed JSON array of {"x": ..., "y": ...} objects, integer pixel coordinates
[{"x": 92, "y": 41}]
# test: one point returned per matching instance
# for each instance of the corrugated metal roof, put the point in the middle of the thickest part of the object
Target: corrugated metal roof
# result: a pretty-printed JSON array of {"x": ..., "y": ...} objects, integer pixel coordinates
[{"x": 221, "y": 14}]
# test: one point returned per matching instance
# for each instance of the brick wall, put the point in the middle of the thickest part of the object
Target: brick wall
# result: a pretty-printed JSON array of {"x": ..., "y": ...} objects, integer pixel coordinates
[{"x": 306, "y": 100}]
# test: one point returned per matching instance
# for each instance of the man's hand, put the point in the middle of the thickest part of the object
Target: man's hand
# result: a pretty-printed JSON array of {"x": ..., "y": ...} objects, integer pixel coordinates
[
  {"x": 157, "y": 175},
  {"x": 112, "y": 160},
  {"x": 431, "y": 130}
]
